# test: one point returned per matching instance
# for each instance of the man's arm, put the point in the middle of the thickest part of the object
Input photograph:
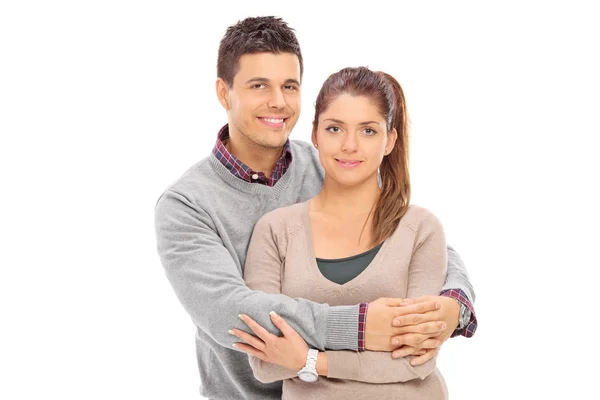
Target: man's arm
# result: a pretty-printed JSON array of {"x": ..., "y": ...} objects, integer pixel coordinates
[
  {"x": 457, "y": 277},
  {"x": 210, "y": 287},
  {"x": 459, "y": 287}
]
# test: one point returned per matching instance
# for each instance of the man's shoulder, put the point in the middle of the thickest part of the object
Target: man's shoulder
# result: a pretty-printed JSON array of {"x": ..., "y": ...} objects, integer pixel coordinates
[
  {"x": 196, "y": 175},
  {"x": 307, "y": 157},
  {"x": 197, "y": 180},
  {"x": 304, "y": 150},
  {"x": 302, "y": 144}
]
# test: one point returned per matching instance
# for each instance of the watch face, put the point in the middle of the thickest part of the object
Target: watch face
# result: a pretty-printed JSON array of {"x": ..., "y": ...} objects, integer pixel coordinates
[{"x": 307, "y": 376}]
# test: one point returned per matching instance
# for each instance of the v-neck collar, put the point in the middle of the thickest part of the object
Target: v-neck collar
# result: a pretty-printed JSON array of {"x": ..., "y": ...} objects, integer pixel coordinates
[{"x": 364, "y": 276}]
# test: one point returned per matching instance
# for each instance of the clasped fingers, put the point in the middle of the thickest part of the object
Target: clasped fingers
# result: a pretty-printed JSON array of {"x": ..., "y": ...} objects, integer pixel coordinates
[
  {"x": 426, "y": 328},
  {"x": 415, "y": 340}
]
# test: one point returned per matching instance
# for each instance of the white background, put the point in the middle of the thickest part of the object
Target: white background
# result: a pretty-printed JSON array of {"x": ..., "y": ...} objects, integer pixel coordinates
[{"x": 103, "y": 104}]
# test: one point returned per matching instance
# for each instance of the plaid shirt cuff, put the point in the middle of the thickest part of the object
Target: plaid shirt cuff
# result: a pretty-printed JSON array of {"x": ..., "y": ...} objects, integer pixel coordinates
[
  {"x": 461, "y": 297},
  {"x": 362, "y": 323}
]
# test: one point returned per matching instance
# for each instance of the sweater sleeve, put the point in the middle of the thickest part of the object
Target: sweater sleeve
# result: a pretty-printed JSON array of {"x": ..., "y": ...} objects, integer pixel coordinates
[
  {"x": 210, "y": 286},
  {"x": 457, "y": 276},
  {"x": 427, "y": 270},
  {"x": 263, "y": 270}
]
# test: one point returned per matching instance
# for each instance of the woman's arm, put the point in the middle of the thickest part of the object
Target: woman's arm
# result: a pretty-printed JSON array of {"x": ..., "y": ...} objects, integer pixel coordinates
[
  {"x": 263, "y": 270},
  {"x": 427, "y": 271}
]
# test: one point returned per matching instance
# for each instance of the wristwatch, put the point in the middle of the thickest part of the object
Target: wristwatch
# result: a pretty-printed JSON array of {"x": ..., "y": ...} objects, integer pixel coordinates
[
  {"x": 465, "y": 316},
  {"x": 309, "y": 372}
]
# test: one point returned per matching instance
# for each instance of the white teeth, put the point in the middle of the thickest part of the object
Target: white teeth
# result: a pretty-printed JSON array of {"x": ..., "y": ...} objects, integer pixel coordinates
[{"x": 273, "y": 120}]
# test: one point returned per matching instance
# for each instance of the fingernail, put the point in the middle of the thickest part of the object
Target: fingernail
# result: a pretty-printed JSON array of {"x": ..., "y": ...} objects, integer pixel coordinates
[
  {"x": 241, "y": 316},
  {"x": 396, "y": 322},
  {"x": 234, "y": 345},
  {"x": 437, "y": 306},
  {"x": 230, "y": 332},
  {"x": 272, "y": 313},
  {"x": 437, "y": 344},
  {"x": 395, "y": 341},
  {"x": 443, "y": 326}
]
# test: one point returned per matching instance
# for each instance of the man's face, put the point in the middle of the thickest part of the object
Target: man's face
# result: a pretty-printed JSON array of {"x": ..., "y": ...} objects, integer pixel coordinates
[{"x": 263, "y": 103}]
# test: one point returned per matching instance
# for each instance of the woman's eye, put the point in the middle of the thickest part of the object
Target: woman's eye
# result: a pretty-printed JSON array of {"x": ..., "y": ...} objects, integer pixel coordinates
[{"x": 369, "y": 132}]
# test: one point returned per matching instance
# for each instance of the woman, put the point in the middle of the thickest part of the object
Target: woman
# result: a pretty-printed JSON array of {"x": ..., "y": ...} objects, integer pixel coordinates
[{"x": 356, "y": 241}]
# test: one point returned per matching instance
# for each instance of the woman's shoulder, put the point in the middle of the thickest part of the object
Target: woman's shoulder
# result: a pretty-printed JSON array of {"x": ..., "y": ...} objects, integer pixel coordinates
[
  {"x": 283, "y": 219},
  {"x": 418, "y": 218}
]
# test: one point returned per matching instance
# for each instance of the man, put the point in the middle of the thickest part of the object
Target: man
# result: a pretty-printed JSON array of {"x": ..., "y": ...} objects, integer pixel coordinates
[{"x": 204, "y": 222}]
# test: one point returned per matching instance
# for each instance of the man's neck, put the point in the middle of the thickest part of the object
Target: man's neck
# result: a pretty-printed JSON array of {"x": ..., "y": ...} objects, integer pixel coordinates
[{"x": 257, "y": 158}]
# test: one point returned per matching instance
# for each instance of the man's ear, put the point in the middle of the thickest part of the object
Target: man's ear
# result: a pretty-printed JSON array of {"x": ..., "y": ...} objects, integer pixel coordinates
[{"x": 223, "y": 93}]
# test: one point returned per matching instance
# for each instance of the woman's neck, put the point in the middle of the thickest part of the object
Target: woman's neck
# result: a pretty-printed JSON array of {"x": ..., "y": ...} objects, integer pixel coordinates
[{"x": 347, "y": 201}]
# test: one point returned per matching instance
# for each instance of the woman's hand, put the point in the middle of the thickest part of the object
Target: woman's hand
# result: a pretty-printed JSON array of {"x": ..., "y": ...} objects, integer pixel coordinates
[{"x": 289, "y": 351}]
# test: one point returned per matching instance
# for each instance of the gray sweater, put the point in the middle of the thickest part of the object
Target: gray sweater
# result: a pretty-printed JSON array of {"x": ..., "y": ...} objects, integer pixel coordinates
[{"x": 204, "y": 222}]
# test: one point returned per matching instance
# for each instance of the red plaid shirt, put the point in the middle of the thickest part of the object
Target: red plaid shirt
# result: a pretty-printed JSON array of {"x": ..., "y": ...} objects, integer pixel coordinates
[{"x": 244, "y": 172}]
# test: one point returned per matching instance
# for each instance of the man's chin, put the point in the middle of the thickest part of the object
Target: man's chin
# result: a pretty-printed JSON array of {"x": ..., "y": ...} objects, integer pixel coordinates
[{"x": 274, "y": 143}]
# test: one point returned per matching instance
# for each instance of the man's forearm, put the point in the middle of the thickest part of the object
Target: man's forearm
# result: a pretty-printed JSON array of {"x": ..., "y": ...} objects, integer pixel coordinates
[
  {"x": 457, "y": 276},
  {"x": 209, "y": 285}
]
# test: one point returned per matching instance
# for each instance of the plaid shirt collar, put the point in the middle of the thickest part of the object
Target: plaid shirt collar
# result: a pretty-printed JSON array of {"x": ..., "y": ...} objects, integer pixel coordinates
[{"x": 242, "y": 171}]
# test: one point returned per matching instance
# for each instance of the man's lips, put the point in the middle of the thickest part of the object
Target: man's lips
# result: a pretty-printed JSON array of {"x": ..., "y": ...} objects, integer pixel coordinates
[{"x": 275, "y": 122}]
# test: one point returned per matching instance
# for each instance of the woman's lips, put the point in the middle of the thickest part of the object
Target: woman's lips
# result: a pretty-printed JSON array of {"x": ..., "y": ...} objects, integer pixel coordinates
[{"x": 348, "y": 163}]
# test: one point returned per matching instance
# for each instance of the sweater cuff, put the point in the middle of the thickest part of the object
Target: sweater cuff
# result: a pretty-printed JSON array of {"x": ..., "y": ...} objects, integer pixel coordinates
[{"x": 342, "y": 328}]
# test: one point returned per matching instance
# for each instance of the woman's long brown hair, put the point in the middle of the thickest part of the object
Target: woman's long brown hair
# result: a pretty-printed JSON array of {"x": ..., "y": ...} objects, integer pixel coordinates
[{"x": 388, "y": 96}]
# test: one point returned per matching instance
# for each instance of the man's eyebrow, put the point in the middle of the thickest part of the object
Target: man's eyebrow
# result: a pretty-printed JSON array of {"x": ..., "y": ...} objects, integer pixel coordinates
[
  {"x": 265, "y": 80},
  {"x": 294, "y": 81},
  {"x": 256, "y": 80}
]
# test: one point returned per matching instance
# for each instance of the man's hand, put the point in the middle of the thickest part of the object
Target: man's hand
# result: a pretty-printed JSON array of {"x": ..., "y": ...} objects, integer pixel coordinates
[
  {"x": 380, "y": 330},
  {"x": 424, "y": 323}
]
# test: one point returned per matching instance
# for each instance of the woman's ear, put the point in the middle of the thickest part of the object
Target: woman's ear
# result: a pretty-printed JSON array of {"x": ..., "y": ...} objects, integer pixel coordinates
[
  {"x": 392, "y": 137},
  {"x": 314, "y": 136}
]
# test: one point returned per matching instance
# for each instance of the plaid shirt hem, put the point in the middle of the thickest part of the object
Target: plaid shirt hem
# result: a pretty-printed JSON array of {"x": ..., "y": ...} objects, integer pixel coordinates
[
  {"x": 460, "y": 296},
  {"x": 362, "y": 323}
]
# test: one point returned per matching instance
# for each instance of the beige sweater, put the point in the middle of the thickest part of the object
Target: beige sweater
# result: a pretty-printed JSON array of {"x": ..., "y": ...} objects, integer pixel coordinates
[{"x": 412, "y": 262}]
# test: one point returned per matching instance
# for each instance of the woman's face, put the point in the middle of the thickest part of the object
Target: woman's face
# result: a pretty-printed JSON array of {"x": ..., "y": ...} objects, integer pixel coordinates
[{"x": 352, "y": 139}]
